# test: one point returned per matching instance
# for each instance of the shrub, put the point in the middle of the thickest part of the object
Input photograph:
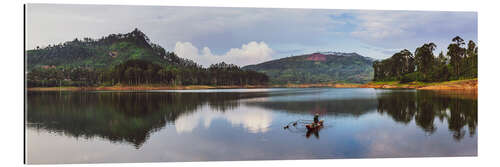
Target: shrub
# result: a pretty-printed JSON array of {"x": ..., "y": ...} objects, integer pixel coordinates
[{"x": 410, "y": 77}]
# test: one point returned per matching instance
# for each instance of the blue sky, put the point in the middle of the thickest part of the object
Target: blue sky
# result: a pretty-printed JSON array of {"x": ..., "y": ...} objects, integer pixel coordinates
[{"x": 246, "y": 36}]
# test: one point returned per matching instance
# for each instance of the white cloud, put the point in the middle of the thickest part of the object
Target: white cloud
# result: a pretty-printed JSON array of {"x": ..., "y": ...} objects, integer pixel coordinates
[
  {"x": 380, "y": 25},
  {"x": 410, "y": 29},
  {"x": 251, "y": 53},
  {"x": 383, "y": 25},
  {"x": 255, "y": 120}
]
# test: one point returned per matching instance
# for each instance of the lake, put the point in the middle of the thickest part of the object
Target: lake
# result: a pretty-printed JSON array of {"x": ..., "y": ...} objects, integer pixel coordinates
[{"x": 247, "y": 124}]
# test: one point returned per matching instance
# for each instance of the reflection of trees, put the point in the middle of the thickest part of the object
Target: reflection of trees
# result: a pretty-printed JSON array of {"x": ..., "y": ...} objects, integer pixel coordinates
[
  {"x": 425, "y": 106},
  {"x": 118, "y": 117},
  {"x": 342, "y": 107},
  {"x": 401, "y": 106},
  {"x": 132, "y": 116}
]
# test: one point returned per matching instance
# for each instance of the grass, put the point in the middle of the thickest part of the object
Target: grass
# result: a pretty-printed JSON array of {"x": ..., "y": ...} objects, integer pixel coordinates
[
  {"x": 420, "y": 83},
  {"x": 455, "y": 84},
  {"x": 385, "y": 82}
]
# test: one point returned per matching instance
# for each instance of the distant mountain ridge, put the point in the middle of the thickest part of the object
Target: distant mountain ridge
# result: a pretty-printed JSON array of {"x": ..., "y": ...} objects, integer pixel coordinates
[{"x": 319, "y": 67}]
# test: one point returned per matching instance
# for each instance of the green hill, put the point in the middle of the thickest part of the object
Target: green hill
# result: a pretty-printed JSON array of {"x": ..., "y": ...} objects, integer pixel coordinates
[
  {"x": 317, "y": 68},
  {"x": 126, "y": 59},
  {"x": 101, "y": 53}
]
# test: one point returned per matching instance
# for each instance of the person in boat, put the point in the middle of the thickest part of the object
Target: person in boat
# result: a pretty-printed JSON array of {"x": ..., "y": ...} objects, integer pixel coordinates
[{"x": 316, "y": 123}]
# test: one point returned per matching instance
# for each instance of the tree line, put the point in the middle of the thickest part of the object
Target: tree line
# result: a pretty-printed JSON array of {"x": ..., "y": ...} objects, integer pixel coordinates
[
  {"x": 137, "y": 72},
  {"x": 460, "y": 62}
]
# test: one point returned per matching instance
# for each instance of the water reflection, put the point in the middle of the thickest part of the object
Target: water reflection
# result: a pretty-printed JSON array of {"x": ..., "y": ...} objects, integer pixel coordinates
[
  {"x": 253, "y": 119},
  {"x": 333, "y": 107},
  {"x": 313, "y": 132},
  {"x": 119, "y": 116},
  {"x": 459, "y": 110},
  {"x": 359, "y": 122}
]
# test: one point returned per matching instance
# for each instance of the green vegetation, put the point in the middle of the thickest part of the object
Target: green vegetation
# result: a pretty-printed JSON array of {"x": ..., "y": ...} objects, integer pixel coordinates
[
  {"x": 102, "y": 53},
  {"x": 131, "y": 59},
  {"x": 317, "y": 68},
  {"x": 126, "y": 59},
  {"x": 460, "y": 62}
]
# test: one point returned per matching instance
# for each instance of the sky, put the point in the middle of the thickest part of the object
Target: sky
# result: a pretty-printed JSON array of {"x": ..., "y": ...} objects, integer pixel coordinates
[{"x": 245, "y": 36}]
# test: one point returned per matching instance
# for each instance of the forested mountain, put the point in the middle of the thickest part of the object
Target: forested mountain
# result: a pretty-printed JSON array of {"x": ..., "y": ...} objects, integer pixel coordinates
[
  {"x": 104, "y": 52},
  {"x": 317, "y": 68},
  {"x": 126, "y": 59}
]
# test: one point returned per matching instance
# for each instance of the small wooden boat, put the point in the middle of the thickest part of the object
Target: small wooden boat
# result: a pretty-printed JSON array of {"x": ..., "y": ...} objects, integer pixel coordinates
[{"x": 315, "y": 126}]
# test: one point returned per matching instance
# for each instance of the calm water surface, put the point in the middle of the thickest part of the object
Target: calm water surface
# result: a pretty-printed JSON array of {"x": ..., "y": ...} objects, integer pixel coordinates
[{"x": 247, "y": 124}]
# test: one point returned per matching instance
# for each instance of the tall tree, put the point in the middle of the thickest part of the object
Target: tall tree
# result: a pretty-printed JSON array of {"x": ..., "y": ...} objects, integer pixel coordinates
[
  {"x": 456, "y": 54},
  {"x": 471, "y": 59},
  {"x": 424, "y": 58}
]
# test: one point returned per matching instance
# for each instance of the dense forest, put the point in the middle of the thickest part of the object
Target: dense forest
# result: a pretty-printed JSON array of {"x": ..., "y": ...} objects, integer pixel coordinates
[
  {"x": 126, "y": 59},
  {"x": 104, "y": 52},
  {"x": 320, "y": 67},
  {"x": 460, "y": 62}
]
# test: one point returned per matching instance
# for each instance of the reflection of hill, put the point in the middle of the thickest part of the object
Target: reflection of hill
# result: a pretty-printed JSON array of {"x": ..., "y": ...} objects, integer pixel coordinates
[
  {"x": 131, "y": 116},
  {"x": 347, "y": 107},
  {"x": 424, "y": 106},
  {"x": 118, "y": 117}
]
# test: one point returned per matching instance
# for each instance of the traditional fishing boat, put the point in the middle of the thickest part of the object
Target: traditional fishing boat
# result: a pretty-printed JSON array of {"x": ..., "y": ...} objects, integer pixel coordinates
[
  {"x": 310, "y": 125},
  {"x": 315, "y": 126}
]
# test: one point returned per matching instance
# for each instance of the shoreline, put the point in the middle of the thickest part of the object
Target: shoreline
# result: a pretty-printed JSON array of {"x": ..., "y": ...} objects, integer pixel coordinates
[
  {"x": 466, "y": 84},
  {"x": 469, "y": 84}
]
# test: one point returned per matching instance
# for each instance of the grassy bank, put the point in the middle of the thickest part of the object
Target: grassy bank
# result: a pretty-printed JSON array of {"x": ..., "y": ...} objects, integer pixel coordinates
[{"x": 469, "y": 84}]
